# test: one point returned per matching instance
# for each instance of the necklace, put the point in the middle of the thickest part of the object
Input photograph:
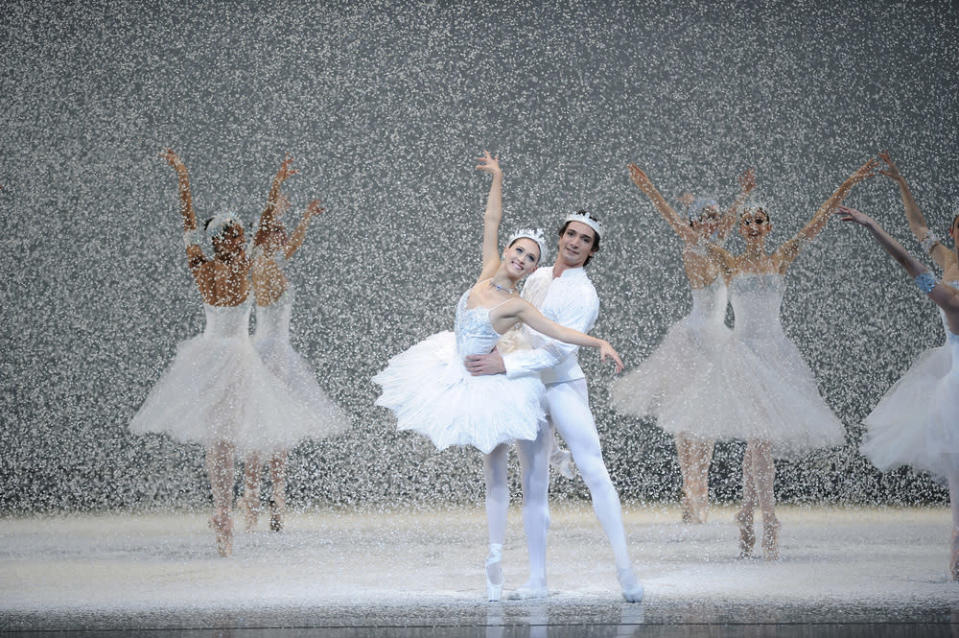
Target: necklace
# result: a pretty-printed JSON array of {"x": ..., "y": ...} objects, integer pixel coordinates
[{"x": 508, "y": 291}]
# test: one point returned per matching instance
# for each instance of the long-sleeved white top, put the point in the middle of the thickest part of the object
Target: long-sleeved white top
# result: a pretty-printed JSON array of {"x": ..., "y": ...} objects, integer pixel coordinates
[{"x": 569, "y": 300}]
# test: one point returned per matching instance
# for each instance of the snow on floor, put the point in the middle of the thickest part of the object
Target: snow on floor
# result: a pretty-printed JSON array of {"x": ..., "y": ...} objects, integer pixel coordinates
[{"x": 141, "y": 563}]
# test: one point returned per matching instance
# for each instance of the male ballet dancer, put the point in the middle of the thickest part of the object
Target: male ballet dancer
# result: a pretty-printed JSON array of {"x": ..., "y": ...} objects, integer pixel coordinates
[{"x": 564, "y": 294}]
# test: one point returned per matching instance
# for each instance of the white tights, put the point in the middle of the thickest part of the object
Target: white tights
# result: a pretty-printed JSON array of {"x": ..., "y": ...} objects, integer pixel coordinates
[{"x": 568, "y": 406}]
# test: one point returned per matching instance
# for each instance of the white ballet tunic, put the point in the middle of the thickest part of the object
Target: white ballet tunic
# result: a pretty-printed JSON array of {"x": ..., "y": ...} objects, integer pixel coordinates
[
  {"x": 430, "y": 391},
  {"x": 217, "y": 389},
  {"x": 272, "y": 342},
  {"x": 916, "y": 423},
  {"x": 677, "y": 383}
]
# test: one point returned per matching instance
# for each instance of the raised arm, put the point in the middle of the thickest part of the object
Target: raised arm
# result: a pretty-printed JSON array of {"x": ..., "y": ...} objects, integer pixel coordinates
[
  {"x": 747, "y": 182},
  {"x": 788, "y": 252},
  {"x": 945, "y": 297},
  {"x": 493, "y": 215},
  {"x": 269, "y": 214},
  {"x": 528, "y": 314},
  {"x": 672, "y": 218},
  {"x": 299, "y": 234},
  {"x": 917, "y": 223},
  {"x": 191, "y": 235}
]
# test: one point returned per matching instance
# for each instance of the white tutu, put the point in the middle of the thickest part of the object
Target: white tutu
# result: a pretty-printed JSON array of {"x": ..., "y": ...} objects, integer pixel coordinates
[
  {"x": 917, "y": 421},
  {"x": 771, "y": 394},
  {"x": 431, "y": 392},
  {"x": 677, "y": 383},
  {"x": 218, "y": 389},
  {"x": 272, "y": 342}
]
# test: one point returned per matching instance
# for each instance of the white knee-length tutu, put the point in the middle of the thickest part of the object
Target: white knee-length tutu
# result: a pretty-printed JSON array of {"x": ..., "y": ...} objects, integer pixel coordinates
[
  {"x": 431, "y": 392},
  {"x": 218, "y": 389},
  {"x": 916, "y": 422},
  {"x": 678, "y": 383},
  {"x": 771, "y": 391},
  {"x": 272, "y": 342}
]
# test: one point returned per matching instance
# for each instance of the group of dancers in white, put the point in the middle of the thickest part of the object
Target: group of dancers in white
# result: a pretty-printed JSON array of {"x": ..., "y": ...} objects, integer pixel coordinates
[{"x": 508, "y": 372}]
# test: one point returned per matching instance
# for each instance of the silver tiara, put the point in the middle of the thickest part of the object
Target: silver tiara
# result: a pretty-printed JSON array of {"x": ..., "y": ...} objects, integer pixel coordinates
[
  {"x": 536, "y": 234},
  {"x": 586, "y": 218},
  {"x": 219, "y": 223}
]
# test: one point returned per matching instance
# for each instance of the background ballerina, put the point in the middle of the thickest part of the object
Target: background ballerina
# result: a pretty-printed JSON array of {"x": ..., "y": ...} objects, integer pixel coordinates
[
  {"x": 431, "y": 392},
  {"x": 217, "y": 391},
  {"x": 928, "y": 436},
  {"x": 274, "y": 294},
  {"x": 676, "y": 383},
  {"x": 773, "y": 402}
]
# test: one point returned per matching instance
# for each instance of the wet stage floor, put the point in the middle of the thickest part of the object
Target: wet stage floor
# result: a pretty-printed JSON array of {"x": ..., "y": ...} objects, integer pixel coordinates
[{"x": 852, "y": 571}]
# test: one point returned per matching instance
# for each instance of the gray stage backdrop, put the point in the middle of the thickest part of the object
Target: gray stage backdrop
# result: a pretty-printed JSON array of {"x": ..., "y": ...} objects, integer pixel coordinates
[{"x": 385, "y": 105}]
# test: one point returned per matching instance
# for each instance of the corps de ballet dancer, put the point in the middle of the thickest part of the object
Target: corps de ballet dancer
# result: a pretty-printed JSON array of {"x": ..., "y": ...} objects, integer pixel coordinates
[
  {"x": 773, "y": 401},
  {"x": 217, "y": 392},
  {"x": 564, "y": 293},
  {"x": 274, "y": 295},
  {"x": 675, "y": 383},
  {"x": 927, "y": 435},
  {"x": 431, "y": 393}
]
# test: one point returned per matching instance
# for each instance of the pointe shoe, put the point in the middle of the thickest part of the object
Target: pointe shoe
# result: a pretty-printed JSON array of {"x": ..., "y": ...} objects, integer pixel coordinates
[
  {"x": 494, "y": 573},
  {"x": 276, "y": 516},
  {"x": 747, "y": 537},
  {"x": 222, "y": 526},
  {"x": 771, "y": 527},
  {"x": 529, "y": 591},
  {"x": 632, "y": 590},
  {"x": 250, "y": 510},
  {"x": 690, "y": 516},
  {"x": 954, "y": 558}
]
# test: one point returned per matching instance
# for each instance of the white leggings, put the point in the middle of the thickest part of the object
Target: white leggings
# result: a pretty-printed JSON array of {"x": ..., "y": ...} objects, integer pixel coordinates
[{"x": 568, "y": 406}]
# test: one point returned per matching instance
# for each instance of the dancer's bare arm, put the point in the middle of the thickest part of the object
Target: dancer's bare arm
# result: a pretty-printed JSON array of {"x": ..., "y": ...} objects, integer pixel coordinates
[
  {"x": 493, "y": 215},
  {"x": 788, "y": 252},
  {"x": 299, "y": 234},
  {"x": 747, "y": 182},
  {"x": 194, "y": 253},
  {"x": 668, "y": 212}
]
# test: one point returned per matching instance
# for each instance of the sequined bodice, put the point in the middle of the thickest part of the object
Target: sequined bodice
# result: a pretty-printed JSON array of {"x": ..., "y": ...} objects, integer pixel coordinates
[
  {"x": 226, "y": 322},
  {"x": 709, "y": 304},
  {"x": 756, "y": 300},
  {"x": 273, "y": 321},
  {"x": 474, "y": 332}
]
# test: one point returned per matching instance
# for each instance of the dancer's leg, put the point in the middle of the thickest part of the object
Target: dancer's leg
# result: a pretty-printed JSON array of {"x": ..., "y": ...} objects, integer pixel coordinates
[
  {"x": 278, "y": 502},
  {"x": 954, "y": 503},
  {"x": 497, "y": 506},
  {"x": 534, "y": 461},
  {"x": 694, "y": 457},
  {"x": 219, "y": 467},
  {"x": 764, "y": 475},
  {"x": 747, "y": 538},
  {"x": 250, "y": 502},
  {"x": 686, "y": 471},
  {"x": 569, "y": 409}
]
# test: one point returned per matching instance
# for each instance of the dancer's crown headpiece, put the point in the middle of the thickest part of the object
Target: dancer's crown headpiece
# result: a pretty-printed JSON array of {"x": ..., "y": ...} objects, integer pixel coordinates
[
  {"x": 536, "y": 234},
  {"x": 219, "y": 223},
  {"x": 584, "y": 217}
]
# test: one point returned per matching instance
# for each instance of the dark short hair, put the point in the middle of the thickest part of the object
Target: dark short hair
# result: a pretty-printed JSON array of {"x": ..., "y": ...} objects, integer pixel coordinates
[{"x": 595, "y": 249}]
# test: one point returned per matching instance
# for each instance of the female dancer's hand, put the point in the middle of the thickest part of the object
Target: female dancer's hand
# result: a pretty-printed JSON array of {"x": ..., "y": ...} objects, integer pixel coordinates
[
  {"x": 639, "y": 177},
  {"x": 313, "y": 208},
  {"x": 489, "y": 164},
  {"x": 847, "y": 214},
  {"x": 867, "y": 170},
  {"x": 606, "y": 350},
  {"x": 172, "y": 158},
  {"x": 747, "y": 181},
  {"x": 891, "y": 171}
]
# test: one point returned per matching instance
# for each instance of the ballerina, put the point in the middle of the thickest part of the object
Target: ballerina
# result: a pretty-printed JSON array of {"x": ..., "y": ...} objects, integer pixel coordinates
[
  {"x": 778, "y": 407},
  {"x": 674, "y": 384},
  {"x": 928, "y": 437},
  {"x": 217, "y": 391},
  {"x": 431, "y": 392},
  {"x": 274, "y": 301}
]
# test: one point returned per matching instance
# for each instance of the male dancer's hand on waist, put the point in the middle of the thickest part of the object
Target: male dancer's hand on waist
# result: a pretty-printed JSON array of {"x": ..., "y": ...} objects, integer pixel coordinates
[{"x": 480, "y": 364}]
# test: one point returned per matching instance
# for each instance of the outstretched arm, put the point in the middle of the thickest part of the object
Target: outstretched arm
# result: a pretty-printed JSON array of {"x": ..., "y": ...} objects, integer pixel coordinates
[
  {"x": 493, "y": 215},
  {"x": 788, "y": 252},
  {"x": 917, "y": 223},
  {"x": 299, "y": 234},
  {"x": 268, "y": 216},
  {"x": 945, "y": 296},
  {"x": 528, "y": 314},
  {"x": 191, "y": 237},
  {"x": 747, "y": 182},
  {"x": 668, "y": 212}
]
